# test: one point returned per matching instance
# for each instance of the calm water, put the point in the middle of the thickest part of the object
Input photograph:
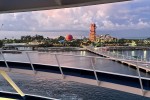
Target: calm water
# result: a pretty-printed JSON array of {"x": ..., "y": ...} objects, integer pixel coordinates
[
  {"x": 141, "y": 54},
  {"x": 68, "y": 90},
  {"x": 63, "y": 90}
]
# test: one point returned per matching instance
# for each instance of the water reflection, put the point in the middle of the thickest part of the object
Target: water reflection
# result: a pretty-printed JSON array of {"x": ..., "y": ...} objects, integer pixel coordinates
[
  {"x": 141, "y": 54},
  {"x": 133, "y": 53},
  {"x": 83, "y": 53},
  {"x": 145, "y": 54}
]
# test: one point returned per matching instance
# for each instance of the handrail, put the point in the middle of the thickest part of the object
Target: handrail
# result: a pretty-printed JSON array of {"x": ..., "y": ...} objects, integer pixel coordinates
[
  {"x": 112, "y": 73},
  {"x": 111, "y": 55},
  {"x": 31, "y": 63},
  {"x": 61, "y": 71},
  {"x": 144, "y": 63},
  {"x": 93, "y": 67},
  {"x": 95, "y": 74},
  {"x": 4, "y": 60},
  {"x": 135, "y": 60},
  {"x": 108, "y": 52}
]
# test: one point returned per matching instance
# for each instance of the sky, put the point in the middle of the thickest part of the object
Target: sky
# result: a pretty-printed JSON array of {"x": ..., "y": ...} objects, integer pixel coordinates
[{"x": 129, "y": 19}]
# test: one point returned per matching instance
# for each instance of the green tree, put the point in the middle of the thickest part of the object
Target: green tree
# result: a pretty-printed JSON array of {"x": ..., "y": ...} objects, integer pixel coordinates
[
  {"x": 1, "y": 43},
  {"x": 61, "y": 38}
]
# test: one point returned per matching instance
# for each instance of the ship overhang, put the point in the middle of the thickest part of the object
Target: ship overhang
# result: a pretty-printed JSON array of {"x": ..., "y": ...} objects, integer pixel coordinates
[{"x": 10, "y": 6}]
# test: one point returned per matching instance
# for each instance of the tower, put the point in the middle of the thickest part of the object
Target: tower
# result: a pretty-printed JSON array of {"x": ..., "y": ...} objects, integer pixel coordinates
[{"x": 92, "y": 37}]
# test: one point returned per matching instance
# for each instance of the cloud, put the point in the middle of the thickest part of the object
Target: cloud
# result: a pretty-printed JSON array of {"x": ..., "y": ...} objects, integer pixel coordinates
[{"x": 125, "y": 15}]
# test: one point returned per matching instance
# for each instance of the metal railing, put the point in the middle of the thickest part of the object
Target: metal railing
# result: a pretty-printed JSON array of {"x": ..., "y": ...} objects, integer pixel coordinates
[
  {"x": 92, "y": 64},
  {"x": 117, "y": 56}
]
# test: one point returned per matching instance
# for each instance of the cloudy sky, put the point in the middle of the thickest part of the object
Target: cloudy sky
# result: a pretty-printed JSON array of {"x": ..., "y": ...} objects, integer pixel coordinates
[{"x": 124, "y": 17}]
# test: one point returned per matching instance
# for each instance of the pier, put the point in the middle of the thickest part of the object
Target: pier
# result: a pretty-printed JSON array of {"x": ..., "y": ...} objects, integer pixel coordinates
[
  {"x": 124, "y": 59},
  {"x": 128, "y": 48}
]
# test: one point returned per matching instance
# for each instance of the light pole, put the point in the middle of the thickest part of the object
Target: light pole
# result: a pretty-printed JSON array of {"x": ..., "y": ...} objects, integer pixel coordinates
[
  {"x": 101, "y": 40},
  {"x": 1, "y": 27}
]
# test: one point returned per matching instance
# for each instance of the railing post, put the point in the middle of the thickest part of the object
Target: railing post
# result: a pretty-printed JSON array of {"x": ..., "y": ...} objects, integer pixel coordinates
[
  {"x": 117, "y": 55},
  {"x": 31, "y": 63},
  {"x": 12, "y": 83},
  {"x": 127, "y": 54},
  {"x": 123, "y": 57},
  {"x": 98, "y": 82},
  {"x": 140, "y": 80},
  {"x": 5, "y": 61},
  {"x": 61, "y": 71}
]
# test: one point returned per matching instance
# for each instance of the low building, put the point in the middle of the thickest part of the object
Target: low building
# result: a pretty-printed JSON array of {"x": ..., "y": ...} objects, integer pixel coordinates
[
  {"x": 133, "y": 43},
  {"x": 35, "y": 42},
  {"x": 105, "y": 38}
]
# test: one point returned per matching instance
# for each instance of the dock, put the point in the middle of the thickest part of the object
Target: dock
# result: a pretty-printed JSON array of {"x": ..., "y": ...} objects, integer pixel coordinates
[
  {"x": 128, "y": 47},
  {"x": 124, "y": 59}
]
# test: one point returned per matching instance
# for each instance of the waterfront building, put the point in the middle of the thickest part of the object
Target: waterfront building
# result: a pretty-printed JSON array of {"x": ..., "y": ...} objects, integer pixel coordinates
[
  {"x": 133, "y": 43},
  {"x": 105, "y": 38},
  {"x": 35, "y": 42},
  {"x": 146, "y": 41}
]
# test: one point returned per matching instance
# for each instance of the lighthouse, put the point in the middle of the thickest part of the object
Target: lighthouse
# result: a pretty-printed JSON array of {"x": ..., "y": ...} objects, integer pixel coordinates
[{"x": 92, "y": 36}]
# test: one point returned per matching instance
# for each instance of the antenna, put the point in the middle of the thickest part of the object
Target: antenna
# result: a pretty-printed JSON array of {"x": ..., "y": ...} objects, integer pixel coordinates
[{"x": 1, "y": 27}]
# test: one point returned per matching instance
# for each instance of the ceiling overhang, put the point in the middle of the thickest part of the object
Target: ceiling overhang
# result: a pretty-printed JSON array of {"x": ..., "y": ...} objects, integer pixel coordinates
[{"x": 10, "y": 6}]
